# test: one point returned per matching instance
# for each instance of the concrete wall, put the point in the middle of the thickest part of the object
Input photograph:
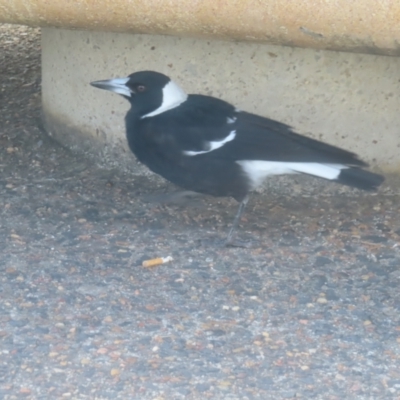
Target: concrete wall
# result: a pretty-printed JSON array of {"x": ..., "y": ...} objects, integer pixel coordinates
[
  {"x": 350, "y": 100},
  {"x": 367, "y": 26}
]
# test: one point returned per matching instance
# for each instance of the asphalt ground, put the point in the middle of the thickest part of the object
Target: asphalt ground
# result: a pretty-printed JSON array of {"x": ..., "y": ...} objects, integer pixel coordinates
[{"x": 312, "y": 311}]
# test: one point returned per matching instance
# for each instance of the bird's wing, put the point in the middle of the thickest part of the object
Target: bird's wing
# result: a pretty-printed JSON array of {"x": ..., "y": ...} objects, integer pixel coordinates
[
  {"x": 259, "y": 138},
  {"x": 200, "y": 125},
  {"x": 208, "y": 127}
]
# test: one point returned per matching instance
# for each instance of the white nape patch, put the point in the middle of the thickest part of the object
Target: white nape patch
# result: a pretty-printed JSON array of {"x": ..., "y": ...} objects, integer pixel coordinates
[
  {"x": 257, "y": 171},
  {"x": 231, "y": 120},
  {"x": 173, "y": 96},
  {"x": 212, "y": 145},
  {"x": 117, "y": 85}
]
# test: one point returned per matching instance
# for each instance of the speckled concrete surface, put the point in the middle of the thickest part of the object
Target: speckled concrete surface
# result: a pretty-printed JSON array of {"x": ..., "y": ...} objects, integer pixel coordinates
[
  {"x": 313, "y": 312},
  {"x": 364, "y": 26},
  {"x": 345, "y": 99}
]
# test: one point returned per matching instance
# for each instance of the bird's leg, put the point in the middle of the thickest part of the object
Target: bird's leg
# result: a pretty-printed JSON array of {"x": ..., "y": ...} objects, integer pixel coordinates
[{"x": 229, "y": 241}]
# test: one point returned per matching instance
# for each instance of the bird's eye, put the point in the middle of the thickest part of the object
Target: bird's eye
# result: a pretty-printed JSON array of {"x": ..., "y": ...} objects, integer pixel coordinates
[{"x": 141, "y": 88}]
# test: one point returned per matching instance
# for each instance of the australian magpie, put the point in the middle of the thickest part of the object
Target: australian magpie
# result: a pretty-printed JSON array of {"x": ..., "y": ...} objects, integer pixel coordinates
[{"x": 206, "y": 145}]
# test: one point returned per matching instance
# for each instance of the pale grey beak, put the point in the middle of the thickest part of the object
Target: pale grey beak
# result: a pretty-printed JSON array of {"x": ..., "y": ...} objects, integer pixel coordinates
[{"x": 117, "y": 85}]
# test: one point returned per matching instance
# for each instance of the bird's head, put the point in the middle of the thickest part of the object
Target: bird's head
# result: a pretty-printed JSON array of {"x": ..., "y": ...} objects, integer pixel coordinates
[{"x": 150, "y": 93}]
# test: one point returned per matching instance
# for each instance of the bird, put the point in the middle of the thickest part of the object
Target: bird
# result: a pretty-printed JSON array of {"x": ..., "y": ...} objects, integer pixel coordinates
[{"x": 206, "y": 145}]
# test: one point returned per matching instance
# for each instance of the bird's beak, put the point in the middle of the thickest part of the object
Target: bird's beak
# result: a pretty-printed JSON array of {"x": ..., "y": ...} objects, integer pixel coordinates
[{"x": 117, "y": 85}]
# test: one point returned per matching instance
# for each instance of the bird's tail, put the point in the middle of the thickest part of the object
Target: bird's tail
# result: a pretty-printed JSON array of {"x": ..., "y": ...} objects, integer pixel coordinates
[
  {"x": 359, "y": 178},
  {"x": 350, "y": 176}
]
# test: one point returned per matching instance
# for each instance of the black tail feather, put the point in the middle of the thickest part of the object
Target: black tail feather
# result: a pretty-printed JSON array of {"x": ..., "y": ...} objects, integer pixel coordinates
[{"x": 360, "y": 179}]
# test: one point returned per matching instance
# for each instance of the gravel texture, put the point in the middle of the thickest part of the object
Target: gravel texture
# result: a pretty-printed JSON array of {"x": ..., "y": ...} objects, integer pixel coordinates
[{"x": 312, "y": 312}]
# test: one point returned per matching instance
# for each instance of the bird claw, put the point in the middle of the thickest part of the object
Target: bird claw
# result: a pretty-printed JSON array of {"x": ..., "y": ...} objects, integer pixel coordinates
[
  {"x": 238, "y": 243},
  {"x": 245, "y": 244}
]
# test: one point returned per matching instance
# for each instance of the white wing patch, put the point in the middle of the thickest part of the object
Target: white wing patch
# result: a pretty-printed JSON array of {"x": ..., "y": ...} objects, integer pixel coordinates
[
  {"x": 230, "y": 120},
  {"x": 257, "y": 170},
  {"x": 212, "y": 145},
  {"x": 173, "y": 96}
]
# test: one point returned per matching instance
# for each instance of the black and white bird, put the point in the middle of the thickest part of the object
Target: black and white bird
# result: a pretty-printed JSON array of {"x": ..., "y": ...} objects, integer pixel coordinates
[{"x": 206, "y": 145}]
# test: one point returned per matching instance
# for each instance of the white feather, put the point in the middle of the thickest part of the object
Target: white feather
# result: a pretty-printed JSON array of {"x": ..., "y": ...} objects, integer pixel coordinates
[
  {"x": 257, "y": 170},
  {"x": 212, "y": 145},
  {"x": 173, "y": 96}
]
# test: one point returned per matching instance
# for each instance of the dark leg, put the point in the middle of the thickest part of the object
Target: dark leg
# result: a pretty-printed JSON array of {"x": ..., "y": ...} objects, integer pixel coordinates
[{"x": 229, "y": 241}]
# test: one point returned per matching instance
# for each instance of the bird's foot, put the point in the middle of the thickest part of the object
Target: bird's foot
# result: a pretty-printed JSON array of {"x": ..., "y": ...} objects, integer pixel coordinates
[
  {"x": 233, "y": 242},
  {"x": 242, "y": 243}
]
